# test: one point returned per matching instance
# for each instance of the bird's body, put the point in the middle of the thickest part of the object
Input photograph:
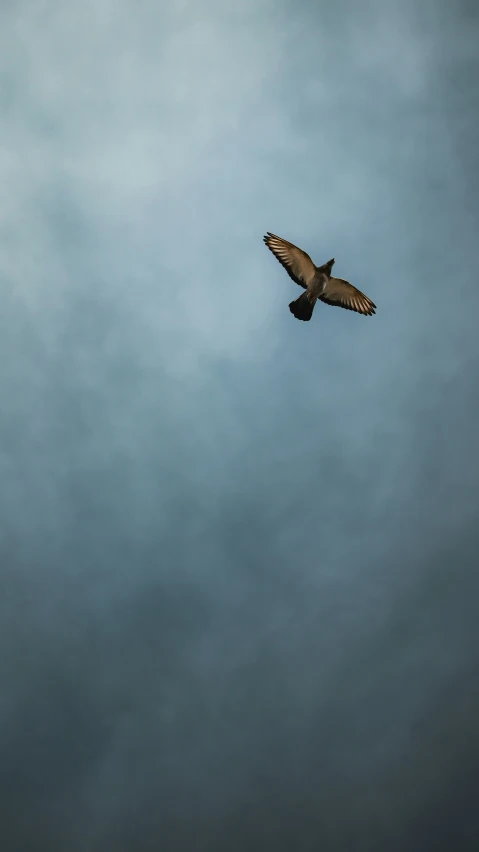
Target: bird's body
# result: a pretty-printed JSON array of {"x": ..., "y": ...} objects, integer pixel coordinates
[{"x": 317, "y": 281}]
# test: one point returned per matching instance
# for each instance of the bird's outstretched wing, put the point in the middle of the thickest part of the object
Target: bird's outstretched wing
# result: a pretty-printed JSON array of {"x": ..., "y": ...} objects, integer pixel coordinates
[
  {"x": 297, "y": 263},
  {"x": 342, "y": 294}
]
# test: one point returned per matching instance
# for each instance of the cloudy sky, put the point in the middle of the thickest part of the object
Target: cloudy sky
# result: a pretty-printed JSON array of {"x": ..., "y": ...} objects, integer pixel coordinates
[{"x": 238, "y": 553}]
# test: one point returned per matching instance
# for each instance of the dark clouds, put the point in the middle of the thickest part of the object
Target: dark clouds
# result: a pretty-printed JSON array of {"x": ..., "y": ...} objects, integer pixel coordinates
[{"x": 239, "y": 555}]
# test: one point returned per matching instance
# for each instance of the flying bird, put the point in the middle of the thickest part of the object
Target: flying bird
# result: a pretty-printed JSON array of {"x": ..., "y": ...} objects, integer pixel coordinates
[{"x": 317, "y": 282}]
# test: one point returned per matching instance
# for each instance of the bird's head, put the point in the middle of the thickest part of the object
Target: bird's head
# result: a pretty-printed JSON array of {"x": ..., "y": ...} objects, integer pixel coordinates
[{"x": 329, "y": 265}]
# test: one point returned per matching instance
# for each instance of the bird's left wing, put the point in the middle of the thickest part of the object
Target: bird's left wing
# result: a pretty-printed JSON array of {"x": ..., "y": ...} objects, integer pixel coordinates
[
  {"x": 342, "y": 294},
  {"x": 297, "y": 263}
]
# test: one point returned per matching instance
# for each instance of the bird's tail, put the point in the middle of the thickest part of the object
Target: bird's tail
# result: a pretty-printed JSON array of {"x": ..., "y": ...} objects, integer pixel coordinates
[{"x": 302, "y": 308}]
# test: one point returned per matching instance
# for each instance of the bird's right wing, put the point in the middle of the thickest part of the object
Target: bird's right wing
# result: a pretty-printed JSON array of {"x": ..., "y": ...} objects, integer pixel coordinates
[
  {"x": 297, "y": 263},
  {"x": 342, "y": 294}
]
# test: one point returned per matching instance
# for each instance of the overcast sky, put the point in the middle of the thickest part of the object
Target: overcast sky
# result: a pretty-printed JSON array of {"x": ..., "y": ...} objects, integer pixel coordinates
[{"x": 239, "y": 553}]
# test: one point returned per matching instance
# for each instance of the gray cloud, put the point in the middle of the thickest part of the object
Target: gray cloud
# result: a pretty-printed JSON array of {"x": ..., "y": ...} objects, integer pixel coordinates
[{"x": 239, "y": 554}]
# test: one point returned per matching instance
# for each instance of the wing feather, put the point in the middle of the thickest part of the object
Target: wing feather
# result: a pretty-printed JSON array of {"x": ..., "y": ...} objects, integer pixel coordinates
[
  {"x": 295, "y": 261},
  {"x": 342, "y": 294}
]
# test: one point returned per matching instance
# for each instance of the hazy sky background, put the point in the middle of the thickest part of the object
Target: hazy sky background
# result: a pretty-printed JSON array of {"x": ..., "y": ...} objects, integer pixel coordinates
[{"x": 239, "y": 553}]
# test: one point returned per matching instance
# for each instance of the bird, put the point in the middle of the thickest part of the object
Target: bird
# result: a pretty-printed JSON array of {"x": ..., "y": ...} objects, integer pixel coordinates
[{"x": 317, "y": 282}]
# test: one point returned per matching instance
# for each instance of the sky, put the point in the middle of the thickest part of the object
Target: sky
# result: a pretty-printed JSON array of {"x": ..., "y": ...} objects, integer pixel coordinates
[{"x": 238, "y": 553}]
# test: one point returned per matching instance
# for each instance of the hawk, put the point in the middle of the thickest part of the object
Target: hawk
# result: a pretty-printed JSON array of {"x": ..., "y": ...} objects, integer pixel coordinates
[{"x": 317, "y": 282}]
